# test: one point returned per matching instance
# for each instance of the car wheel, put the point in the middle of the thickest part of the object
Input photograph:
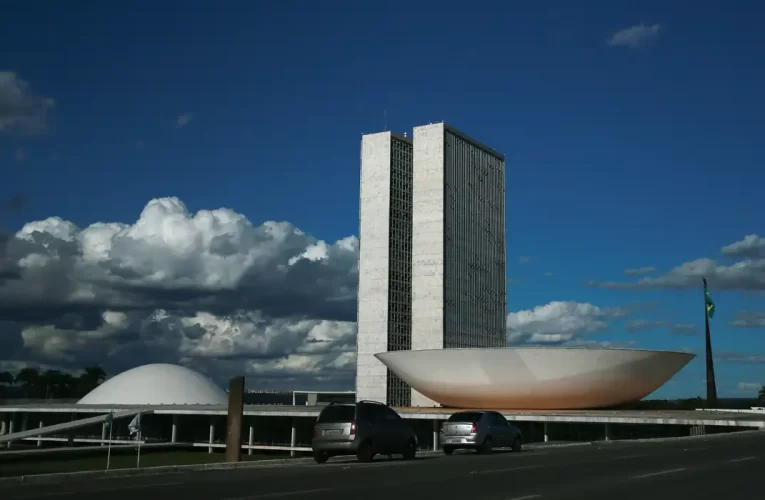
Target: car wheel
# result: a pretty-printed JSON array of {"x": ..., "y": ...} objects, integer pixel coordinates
[
  {"x": 411, "y": 450},
  {"x": 448, "y": 450},
  {"x": 517, "y": 445},
  {"x": 486, "y": 446},
  {"x": 320, "y": 457},
  {"x": 366, "y": 452}
]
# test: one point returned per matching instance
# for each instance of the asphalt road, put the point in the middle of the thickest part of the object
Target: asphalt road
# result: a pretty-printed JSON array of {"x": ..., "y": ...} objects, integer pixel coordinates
[{"x": 714, "y": 467}]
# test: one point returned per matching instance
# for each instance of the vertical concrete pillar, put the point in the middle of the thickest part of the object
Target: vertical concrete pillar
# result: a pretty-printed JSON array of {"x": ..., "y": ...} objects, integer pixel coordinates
[
  {"x": 10, "y": 430},
  {"x": 174, "y": 430},
  {"x": 70, "y": 434},
  {"x": 234, "y": 419},
  {"x": 2, "y": 428},
  {"x": 547, "y": 431},
  {"x": 39, "y": 441},
  {"x": 435, "y": 435},
  {"x": 608, "y": 432},
  {"x": 293, "y": 438},
  {"x": 697, "y": 430},
  {"x": 103, "y": 433},
  {"x": 212, "y": 434},
  {"x": 250, "y": 439}
]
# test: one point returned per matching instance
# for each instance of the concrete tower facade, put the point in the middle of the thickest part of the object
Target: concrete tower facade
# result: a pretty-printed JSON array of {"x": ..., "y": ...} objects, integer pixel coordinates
[
  {"x": 431, "y": 252},
  {"x": 385, "y": 265},
  {"x": 459, "y": 296}
]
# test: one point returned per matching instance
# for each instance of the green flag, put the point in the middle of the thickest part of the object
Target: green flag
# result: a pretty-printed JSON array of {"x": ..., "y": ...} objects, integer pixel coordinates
[
  {"x": 109, "y": 419},
  {"x": 709, "y": 302}
]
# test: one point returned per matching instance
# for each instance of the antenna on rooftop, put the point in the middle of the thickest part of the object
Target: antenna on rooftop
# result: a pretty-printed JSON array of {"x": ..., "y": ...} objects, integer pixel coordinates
[{"x": 385, "y": 120}]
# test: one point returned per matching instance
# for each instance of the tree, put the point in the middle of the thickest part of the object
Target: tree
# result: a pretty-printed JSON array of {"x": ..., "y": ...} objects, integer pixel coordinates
[
  {"x": 91, "y": 378},
  {"x": 95, "y": 374},
  {"x": 762, "y": 395},
  {"x": 6, "y": 379},
  {"x": 53, "y": 382},
  {"x": 29, "y": 378}
]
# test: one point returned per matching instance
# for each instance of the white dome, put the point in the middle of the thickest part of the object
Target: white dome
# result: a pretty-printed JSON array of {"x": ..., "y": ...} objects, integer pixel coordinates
[
  {"x": 535, "y": 378},
  {"x": 158, "y": 384}
]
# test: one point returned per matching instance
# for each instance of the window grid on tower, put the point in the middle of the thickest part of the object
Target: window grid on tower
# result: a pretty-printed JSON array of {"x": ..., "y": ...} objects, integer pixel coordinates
[
  {"x": 400, "y": 264},
  {"x": 474, "y": 245}
]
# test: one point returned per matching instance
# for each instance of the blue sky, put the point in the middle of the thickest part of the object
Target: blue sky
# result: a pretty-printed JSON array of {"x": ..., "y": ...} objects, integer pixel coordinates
[{"x": 643, "y": 152}]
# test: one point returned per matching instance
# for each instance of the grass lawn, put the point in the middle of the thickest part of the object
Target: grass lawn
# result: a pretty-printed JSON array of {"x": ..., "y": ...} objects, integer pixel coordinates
[{"x": 122, "y": 459}]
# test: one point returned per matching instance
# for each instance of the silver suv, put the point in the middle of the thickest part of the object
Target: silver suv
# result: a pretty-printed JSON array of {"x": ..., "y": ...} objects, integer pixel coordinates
[
  {"x": 364, "y": 429},
  {"x": 479, "y": 430}
]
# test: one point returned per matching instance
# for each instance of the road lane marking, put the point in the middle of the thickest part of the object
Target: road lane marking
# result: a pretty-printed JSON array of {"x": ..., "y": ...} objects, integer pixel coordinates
[
  {"x": 659, "y": 473},
  {"x": 281, "y": 494},
  {"x": 742, "y": 459},
  {"x": 625, "y": 457},
  {"x": 506, "y": 469},
  {"x": 527, "y": 497},
  {"x": 114, "y": 487}
]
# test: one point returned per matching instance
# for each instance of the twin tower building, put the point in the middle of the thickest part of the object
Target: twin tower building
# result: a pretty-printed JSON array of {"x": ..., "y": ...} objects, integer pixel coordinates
[{"x": 431, "y": 252}]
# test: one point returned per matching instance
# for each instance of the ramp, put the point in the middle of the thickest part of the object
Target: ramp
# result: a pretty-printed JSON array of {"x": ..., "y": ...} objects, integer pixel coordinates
[{"x": 66, "y": 426}]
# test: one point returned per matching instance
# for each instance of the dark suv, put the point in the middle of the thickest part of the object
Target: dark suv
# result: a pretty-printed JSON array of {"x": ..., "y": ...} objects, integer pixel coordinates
[{"x": 364, "y": 429}]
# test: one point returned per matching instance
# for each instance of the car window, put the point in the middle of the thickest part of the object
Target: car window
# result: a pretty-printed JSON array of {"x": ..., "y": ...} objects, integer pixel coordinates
[
  {"x": 388, "y": 414},
  {"x": 365, "y": 412},
  {"x": 371, "y": 411},
  {"x": 497, "y": 419},
  {"x": 467, "y": 417},
  {"x": 501, "y": 420},
  {"x": 336, "y": 414}
]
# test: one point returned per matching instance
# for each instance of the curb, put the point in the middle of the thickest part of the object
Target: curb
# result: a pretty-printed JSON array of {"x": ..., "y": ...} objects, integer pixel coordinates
[
  {"x": 720, "y": 435},
  {"x": 61, "y": 477}
]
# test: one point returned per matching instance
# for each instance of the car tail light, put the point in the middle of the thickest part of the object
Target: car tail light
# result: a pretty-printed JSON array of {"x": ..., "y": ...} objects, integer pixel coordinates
[
  {"x": 353, "y": 428},
  {"x": 474, "y": 429},
  {"x": 315, "y": 429}
]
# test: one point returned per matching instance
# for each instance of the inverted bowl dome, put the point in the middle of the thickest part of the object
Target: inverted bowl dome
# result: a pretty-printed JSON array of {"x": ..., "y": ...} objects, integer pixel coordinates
[
  {"x": 535, "y": 378},
  {"x": 157, "y": 384}
]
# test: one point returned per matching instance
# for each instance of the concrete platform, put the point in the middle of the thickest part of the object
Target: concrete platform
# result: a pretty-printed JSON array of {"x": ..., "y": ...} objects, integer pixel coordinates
[{"x": 722, "y": 418}]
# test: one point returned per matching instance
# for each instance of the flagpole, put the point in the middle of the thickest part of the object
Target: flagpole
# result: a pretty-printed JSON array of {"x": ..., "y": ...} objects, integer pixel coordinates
[
  {"x": 138, "y": 460},
  {"x": 711, "y": 384},
  {"x": 109, "y": 450}
]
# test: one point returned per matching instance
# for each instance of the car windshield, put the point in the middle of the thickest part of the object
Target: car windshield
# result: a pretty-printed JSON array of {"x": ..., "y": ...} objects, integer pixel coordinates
[
  {"x": 337, "y": 414},
  {"x": 467, "y": 417}
]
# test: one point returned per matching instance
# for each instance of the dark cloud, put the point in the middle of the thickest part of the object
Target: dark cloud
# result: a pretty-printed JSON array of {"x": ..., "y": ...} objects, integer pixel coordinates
[
  {"x": 17, "y": 203},
  {"x": 22, "y": 112}
]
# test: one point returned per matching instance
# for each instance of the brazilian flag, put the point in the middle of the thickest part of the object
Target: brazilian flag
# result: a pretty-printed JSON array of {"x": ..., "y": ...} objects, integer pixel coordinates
[
  {"x": 109, "y": 419},
  {"x": 709, "y": 302}
]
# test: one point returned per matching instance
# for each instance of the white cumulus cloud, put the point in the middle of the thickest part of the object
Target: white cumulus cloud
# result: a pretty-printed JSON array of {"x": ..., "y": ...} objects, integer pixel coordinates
[
  {"x": 746, "y": 274},
  {"x": 210, "y": 289},
  {"x": 558, "y": 322}
]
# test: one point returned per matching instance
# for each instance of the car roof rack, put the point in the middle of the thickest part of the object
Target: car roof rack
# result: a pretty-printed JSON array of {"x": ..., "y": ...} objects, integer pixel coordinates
[{"x": 369, "y": 401}]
